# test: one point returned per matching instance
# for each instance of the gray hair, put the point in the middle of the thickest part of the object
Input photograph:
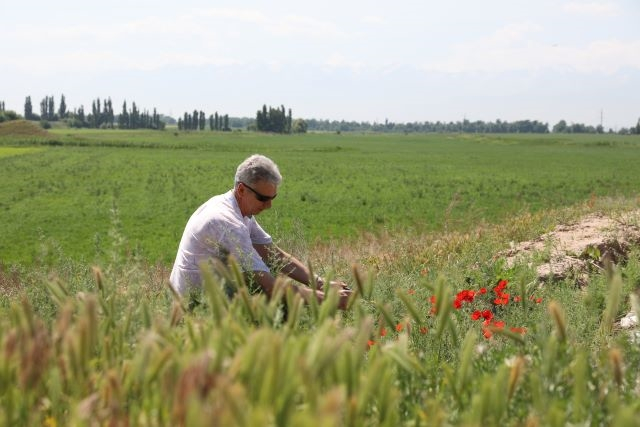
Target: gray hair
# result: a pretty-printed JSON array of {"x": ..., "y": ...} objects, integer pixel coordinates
[{"x": 258, "y": 168}]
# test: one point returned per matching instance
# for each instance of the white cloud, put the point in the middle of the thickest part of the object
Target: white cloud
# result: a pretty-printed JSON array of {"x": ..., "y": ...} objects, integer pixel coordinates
[
  {"x": 593, "y": 8},
  {"x": 296, "y": 25},
  {"x": 371, "y": 19},
  {"x": 340, "y": 61},
  {"x": 251, "y": 16},
  {"x": 515, "y": 48},
  {"x": 108, "y": 60}
]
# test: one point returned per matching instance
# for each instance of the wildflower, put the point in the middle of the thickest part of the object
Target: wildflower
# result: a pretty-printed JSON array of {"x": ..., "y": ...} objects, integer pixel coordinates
[
  {"x": 483, "y": 290},
  {"x": 433, "y": 304},
  {"x": 476, "y": 315},
  {"x": 423, "y": 330},
  {"x": 538, "y": 300},
  {"x": 502, "y": 299},
  {"x": 486, "y": 332},
  {"x": 399, "y": 327},
  {"x": 487, "y": 315},
  {"x": 520, "y": 331},
  {"x": 517, "y": 298},
  {"x": 370, "y": 344},
  {"x": 383, "y": 332},
  {"x": 465, "y": 295},
  {"x": 502, "y": 284}
]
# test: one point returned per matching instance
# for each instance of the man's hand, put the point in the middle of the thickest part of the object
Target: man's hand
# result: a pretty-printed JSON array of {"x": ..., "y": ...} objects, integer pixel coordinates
[
  {"x": 343, "y": 298},
  {"x": 343, "y": 295}
]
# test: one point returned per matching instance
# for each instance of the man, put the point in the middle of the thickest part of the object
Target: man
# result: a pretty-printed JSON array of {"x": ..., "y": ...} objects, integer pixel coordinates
[{"x": 226, "y": 225}]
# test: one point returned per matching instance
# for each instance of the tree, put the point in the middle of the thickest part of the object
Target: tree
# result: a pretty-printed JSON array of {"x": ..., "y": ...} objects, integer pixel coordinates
[
  {"x": 62, "y": 110},
  {"x": 44, "y": 104},
  {"x": 299, "y": 126},
  {"x": 273, "y": 120},
  {"x": 194, "y": 120},
  {"x": 28, "y": 109},
  {"x": 560, "y": 127},
  {"x": 202, "y": 121},
  {"x": 123, "y": 119},
  {"x": 51, "y": 111}
]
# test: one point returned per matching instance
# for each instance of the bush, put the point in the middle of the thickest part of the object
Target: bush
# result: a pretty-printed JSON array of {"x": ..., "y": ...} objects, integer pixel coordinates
[
  {"x": 7, "y": 115},
  {"x": 45, "y": 124}
]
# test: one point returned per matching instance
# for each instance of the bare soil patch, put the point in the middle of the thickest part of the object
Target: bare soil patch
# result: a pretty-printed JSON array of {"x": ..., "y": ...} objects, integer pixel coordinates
[{"x": 573, "y": 251}]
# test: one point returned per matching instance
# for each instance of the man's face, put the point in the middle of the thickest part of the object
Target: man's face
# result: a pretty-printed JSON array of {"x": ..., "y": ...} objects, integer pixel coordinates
[{"x": 255, "y": 198}]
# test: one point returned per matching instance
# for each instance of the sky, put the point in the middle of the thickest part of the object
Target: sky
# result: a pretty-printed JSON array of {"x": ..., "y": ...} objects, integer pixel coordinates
[{"x": 366, "y": 61}]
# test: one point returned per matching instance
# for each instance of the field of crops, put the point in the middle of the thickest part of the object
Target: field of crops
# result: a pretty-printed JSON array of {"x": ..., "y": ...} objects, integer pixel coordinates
[
  {"x": 335, "y": 186},
  {"x": 441, "y": 330}
]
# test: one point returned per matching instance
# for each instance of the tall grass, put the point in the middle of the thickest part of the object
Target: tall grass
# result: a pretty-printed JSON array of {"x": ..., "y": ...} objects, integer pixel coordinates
[{"x": 111, "y": 344}]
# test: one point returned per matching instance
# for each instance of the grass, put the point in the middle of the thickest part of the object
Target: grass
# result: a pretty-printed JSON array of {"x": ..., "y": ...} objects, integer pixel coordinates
[
  {"x": 109, "y": 344},
  {"x": 93, "y": 339},
  {"x": 335, "y": 186}
]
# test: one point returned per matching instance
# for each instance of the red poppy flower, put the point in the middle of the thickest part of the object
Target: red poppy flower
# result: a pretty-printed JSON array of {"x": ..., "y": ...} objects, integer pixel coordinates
[
  {"x": 487, "y": 315},
  {"x": 476, "y": 315},
  {"x": 423, "y": 330},
  {"x": 520, "y": 331},
  {"x": 483, "y": 290},
  {"x": 486, "y": 333},
  {"x": 517, "y": 298},
  {"x": 503, "y": 299},
  {"x": 383, "y": 332},
  {"x": 370, "y": 344},
  {"x": 399, "y": 327}
]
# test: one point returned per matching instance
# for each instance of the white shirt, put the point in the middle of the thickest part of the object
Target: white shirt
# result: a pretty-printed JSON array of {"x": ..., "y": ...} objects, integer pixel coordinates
[{"x": 215, "y": 230}]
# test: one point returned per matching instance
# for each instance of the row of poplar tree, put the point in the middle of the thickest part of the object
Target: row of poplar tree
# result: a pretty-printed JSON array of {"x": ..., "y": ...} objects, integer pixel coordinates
[
  {"x": 270, "y": 119},
  {"x": 198, "y": 121},
  {"x": 101, "y": 115}
]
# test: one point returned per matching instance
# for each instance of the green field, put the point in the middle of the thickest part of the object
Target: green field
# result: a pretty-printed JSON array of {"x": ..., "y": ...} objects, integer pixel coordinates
[{"x": 71, "y": 188}]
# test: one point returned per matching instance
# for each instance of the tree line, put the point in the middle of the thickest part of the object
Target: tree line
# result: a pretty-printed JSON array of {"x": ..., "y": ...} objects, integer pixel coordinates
[
  {"x": 276, "y": 120},
  {"x": 102, "y": 115},
  {"x": 464, "y": 126}
]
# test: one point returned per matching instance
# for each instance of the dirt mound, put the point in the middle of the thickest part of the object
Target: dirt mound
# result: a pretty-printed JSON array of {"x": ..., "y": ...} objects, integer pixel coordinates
[
  {"x": 575, "y": 250},
  {"x": 21, "y": 128}
]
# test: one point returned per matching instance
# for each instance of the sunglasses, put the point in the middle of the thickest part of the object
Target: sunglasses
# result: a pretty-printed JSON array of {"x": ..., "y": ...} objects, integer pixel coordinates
[{"x": 260, "y": 197}]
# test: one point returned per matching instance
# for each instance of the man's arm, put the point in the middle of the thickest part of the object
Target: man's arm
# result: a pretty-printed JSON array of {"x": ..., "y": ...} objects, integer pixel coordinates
[
  {"x": 296, "y": 270},
  {"x": 267, "y": 283},
  {"x": 290, "y": 265}
]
